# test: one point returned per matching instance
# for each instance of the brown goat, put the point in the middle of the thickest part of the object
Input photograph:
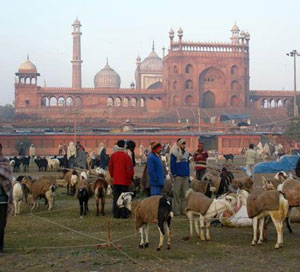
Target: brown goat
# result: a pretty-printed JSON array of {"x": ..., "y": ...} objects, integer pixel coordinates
[
  {"x": 71, "y": 177},
  {"x": 244, "y": 183},
  {"x": 101, "y": 186},
  {"x": 43, "y": 187}
]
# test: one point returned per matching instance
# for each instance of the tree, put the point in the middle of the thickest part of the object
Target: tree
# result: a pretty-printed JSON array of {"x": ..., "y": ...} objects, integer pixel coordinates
[
  {"x": 290, "y": 108},
  {"x": 292, "y": 131},
  {"x": 7, "y": 112},
  {"x": 22, "y": 143}
]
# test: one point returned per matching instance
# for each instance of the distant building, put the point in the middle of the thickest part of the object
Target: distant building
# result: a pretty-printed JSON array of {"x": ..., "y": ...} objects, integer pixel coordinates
[{"x": 191, "y": 75}]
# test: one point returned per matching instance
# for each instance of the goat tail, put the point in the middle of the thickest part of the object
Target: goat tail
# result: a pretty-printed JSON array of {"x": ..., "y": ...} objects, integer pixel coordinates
[{"x": 188, "y": 192}]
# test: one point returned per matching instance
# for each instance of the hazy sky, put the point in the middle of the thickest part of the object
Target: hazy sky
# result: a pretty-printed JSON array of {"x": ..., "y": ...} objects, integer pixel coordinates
[{"x": 123, "y": 29}]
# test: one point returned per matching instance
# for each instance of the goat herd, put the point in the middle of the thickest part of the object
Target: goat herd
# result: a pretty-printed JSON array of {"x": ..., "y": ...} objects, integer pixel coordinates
[{"x": 204, "y": 202}]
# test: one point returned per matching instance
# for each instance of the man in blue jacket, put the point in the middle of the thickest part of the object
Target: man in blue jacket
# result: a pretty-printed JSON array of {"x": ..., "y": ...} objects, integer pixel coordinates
[
  {"x": 180, "y": 170},
  {"x": 155, "y": 170}
]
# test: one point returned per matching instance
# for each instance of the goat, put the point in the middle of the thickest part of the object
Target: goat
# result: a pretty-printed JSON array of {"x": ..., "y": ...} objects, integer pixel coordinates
[
  {"x": 197, "y": 204},
  {"x": 228, "y": 157},
  {"x": 204, "y": 187},
  {"x": 153, "y": 209},
  {"x": 15, "y": 163},
  {"x": 53, "y": 164},
  {"x": 71, "y": 177},
  {"x": 43, "y": 187},
  {"x": 270, "y": 203},
  {"x": 25, "y": 161},
  {"x": 291, "y": 190},
  {"x": 19, "y": 194},
  {"x": 101, "y": 187},
  {"x": 41, "y": 163},
  {"x": 244, "y": 183},
  {"x": 83, "y": 194}
]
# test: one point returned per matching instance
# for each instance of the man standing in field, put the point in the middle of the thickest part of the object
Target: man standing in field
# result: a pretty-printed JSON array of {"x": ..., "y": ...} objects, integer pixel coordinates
[
  {"x": 180, "y": 171},
  {"x": 200, "y": 158},
  {"x": 251, "y": 158},
  {"x": 5, "y": 195},
  {"x": 155, "y": 170},
  {"x": 121, "y": 170}
]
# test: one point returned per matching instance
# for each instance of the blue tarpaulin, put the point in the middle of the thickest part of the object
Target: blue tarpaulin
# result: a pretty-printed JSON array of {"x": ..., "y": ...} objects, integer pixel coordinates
[{"x": 287, "y": 163}]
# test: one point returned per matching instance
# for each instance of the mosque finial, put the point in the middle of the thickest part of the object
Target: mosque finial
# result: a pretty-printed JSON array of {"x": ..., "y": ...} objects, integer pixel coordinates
[
  {"x": 27, "y": 56},
  {"x": 106, "y": 60},
  {"x": 153, "y": 48}
]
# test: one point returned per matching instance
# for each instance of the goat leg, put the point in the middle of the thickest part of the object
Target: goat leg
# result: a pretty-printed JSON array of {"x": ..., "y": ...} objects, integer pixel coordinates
[
  {"x": 190, "y": 217},
  {"x": 146, "y": 229},
  {"x": 97, "y": 206},
  {"x": 81, "y": 207},
  {"x": 102, "y": 205},
  {"x": 255, "y": 223},
  {"x": 161, "y": 235},
  {"x": 141, "y": 231},
  {"x": 288, "y": 221},
  {"x": 168, "y": 233},
  {"x": 207, "y": 224},
  {"x": 202, "y": 227},
  {"x": 261, "y": 223}
]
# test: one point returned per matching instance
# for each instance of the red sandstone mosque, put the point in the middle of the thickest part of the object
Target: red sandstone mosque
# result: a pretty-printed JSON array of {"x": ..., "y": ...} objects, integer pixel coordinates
[{"x": 192, "y": 79}]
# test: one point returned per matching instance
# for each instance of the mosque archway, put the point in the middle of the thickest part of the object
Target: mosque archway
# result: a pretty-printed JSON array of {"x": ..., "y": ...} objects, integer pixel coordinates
[
  {"x": 234, "y": 101},
  {"x": 53, "y": 101},
  {"x": 189, "y": 100},
  {"x": 69, "y": 101},
  {"x": 208, "y": 100}
]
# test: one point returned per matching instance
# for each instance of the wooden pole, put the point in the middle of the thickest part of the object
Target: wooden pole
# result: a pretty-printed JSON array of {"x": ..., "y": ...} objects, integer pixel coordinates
[{"x": 108, "y": 232}]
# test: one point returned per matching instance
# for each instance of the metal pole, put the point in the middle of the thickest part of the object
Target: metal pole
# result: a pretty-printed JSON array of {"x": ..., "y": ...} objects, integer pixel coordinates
[
  {"x": 75, "y": 127},
  {"x": 295, "y": 86},
  {"x": 199, "y": 119}
]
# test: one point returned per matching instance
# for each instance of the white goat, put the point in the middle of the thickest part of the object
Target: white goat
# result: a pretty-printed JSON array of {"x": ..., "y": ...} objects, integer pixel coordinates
[
  {"x": 18, "y": 197},
  {"x": 214, "y": 210},
  {"x": 277, "y": 216},
  {"x": 53, "y": 164}
]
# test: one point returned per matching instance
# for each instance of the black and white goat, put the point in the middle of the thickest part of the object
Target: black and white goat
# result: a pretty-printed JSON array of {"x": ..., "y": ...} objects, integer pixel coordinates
[{"x": 153, "y": 209}]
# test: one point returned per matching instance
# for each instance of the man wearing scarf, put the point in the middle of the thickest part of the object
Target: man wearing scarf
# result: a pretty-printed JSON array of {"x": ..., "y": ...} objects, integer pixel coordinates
[
  {"x": 121, "y": 170},
  {"x": 200, "y": 157},
  {"x": 71, "y": 154},
  {"x": 180, "y": 171},
  {"x": 155, "y": 170},
  {"x": 6, "y": 206},
  {"x": 103, "y": 157}
]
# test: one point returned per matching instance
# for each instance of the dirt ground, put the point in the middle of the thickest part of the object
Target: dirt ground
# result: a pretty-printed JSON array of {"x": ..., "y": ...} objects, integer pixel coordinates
[{"x": 59, "y": 240}]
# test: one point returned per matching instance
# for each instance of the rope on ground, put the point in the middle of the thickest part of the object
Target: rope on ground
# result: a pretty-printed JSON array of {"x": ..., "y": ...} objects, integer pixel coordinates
[
  {"x": 96, "y": 238},
  {"x": 57, "y": 210},
  {"x": 56, "y": 247}
]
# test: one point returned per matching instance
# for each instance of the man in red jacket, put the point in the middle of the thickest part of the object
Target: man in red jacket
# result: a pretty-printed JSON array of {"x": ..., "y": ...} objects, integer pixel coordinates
[
  {"x": 200, "y": 157},
  {"x": 121, "y": 170}
]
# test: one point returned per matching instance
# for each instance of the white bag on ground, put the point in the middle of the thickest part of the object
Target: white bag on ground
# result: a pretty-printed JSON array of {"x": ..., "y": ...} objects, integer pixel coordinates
[{"x": 239, "y": 219}]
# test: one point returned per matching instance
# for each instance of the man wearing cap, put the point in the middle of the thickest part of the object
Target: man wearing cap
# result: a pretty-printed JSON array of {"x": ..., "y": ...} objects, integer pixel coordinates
[
  {"x": 155, "y": 170},
  {"x": 180, "y": 171},
  {"x": 200, "y": 158},
  {"x": 6, "y": 199},
  {"x": 121, "y": 170}
]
